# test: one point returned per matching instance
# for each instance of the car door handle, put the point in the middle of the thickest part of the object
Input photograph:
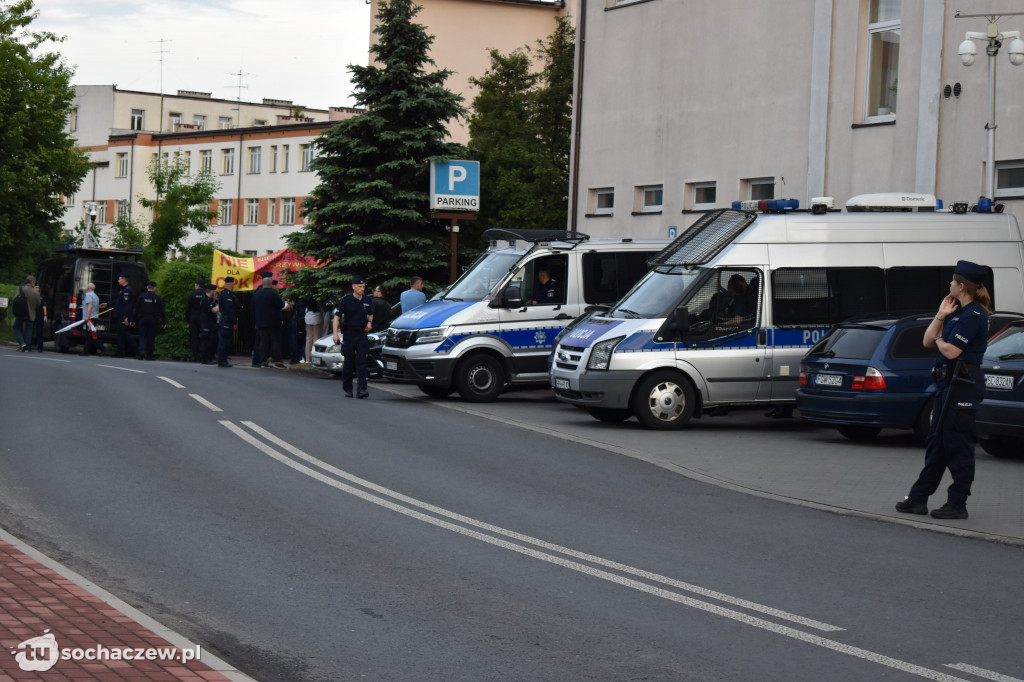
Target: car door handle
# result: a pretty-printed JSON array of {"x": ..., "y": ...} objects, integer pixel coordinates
[{"x": 563, "y": 316}]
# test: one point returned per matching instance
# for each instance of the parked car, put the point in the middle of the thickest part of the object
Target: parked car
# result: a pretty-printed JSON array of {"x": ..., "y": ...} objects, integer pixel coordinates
[
  {"x": 870, "y": 374},
  {"x": 326, "y": 354},
  {"x": 999, "y": 425}
]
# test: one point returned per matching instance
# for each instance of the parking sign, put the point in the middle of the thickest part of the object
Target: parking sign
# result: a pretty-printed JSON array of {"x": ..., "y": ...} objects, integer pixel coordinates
[{"x": 455, "y": 186}]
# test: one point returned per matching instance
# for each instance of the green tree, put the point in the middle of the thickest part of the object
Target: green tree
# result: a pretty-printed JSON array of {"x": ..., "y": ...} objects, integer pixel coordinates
[
  {"x": 38, "y": 159},
  {"x": 128, "y": 235},
  {"x": 520, "y": 131},
  {"x": 182, "y": 205},
  {"x": 369, "y": 215}
]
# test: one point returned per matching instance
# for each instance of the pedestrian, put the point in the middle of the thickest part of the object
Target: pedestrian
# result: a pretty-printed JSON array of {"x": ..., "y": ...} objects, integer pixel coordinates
[
  {"x": 295, "y": 327},
  {"x": 266, "y": 307},
  {"x": 149, "y": 315},
  {"x": 353, "y": 318},
  {"x": 194, "y": 319},
  {"x": 208, "y": 335},
  {"x": 381, "y": 310},
  {"x": 90, "y": 309},
  {"x": 26, "y": 303},
  {"x": 42, "y": 317},
  {"x": 413, "y": 297},
  {"x": 960, "y": 334},
  {"x": 227, "y": 321},
  {"x": 124, "y": 310},
  {"x": 314, "y": 321}
]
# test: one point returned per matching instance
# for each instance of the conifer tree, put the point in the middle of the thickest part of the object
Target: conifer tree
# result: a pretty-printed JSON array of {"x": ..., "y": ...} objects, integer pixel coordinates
[{"x": 369, "y": 215}]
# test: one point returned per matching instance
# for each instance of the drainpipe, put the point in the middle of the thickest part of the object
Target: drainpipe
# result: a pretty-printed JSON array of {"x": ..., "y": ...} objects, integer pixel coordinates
[
  {"x": 237, "y": 208},
  {"x": 581, "y": 42}
]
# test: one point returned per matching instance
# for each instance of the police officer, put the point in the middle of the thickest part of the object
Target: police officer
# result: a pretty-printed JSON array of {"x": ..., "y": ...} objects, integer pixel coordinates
[
  {"x": 960, "y": 333},
  {"x": 547, "y": 292},
  {"x": 267, "y": 306},
  {"x": 227, "y": 312},
  {"x": 194, "y": 318},
  {"x": 352, "y": 320},
  {"x": 208, "y": 334},
  {"x": 149, "y": 314},
  {"x": 124, "y": 309}
]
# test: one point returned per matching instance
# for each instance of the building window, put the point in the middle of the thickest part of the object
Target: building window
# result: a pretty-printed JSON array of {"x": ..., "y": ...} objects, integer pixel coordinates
[
  {"x": 1009, "y": 179},
  {"x": 206, "y": 161},
  {"x": 101, "y": 213},
  {"x": 173, "y": 120},
  {"x": 255, "y": 159},
  {"x": 602, "y": 201},
  {"x": 137, "y": 115},
  {"x": 271, "y": 211},
  {"x": 703, "y": 195},
  {"x": 759, "y": 189},
  {"x": 259, "y": 122},
  {"x": 252, "y": 211},
  {"x": 165, "y": 159},
  {"x": 307, "y": 156},
  {"x": 648, "y": 198},
  {"x": 69, "y": 200},
  {"x": 122, "y": 164},
  {"x": 226, "y": 216},
  {"x": 284, "y": 158},
  {"x": 73, "y": 120},
  {"x": 250, "y": 254},
  {"x": 122, "y": 209},
  {"x": 188, "y": 163},
  {"x": 199, "y": 120},
  {"x": 227, "y": 161},
  {"x": 224, "y": 122},
  {"x": 883, "y": 58},
  {"x": 288, "y": 211}
]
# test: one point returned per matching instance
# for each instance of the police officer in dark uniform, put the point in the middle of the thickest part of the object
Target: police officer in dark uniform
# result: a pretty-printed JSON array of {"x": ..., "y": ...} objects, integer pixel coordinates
[
  {"x": 194, "y": 319},
  {"x": 227, "y": 311},
  {"x": 149, "y": 314},
  {"x": 124, "y": 311},
  {"x": 352, "y": 320},
  {"x": 960, "y": 333},
  {"x": 547, "y": 292},
  {"x": 208, "y": 334}
]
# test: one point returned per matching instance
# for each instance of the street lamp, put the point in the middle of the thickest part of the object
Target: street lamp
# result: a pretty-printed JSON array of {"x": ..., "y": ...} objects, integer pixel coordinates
[{"x": 993, "y": 40}]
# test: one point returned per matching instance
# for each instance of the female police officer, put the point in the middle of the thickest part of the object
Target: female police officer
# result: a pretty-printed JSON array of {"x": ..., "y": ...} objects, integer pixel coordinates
[{"x": 960, "y": 333}]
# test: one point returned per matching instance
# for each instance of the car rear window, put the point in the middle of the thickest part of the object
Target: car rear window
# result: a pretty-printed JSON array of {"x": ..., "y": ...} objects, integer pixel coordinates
[{"x": 854, "y": 343}]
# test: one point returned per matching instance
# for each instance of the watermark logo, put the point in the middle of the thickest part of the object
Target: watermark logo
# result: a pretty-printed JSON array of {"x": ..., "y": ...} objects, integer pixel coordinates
[
  {"x": 41, "y": 653},
  {"x": 38, "y": 654}
]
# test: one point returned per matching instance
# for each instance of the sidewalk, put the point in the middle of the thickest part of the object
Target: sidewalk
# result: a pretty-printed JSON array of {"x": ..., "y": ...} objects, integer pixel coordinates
[{"x": 39, "y": 596}]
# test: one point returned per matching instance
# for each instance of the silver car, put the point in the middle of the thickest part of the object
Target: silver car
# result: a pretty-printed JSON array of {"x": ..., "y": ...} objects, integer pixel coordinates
[{"x": 327, "y": 354}]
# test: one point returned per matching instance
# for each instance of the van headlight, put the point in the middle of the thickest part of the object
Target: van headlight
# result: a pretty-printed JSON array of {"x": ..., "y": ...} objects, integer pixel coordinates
[
  {"x": 601, "y": 355},
  {"x": 432, "y": 335}
]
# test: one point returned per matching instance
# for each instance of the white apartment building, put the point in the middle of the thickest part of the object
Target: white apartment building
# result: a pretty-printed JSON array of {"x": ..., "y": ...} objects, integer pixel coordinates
[
  {"x": 259, "y": 152},
  {"x": 682, "y": 107}
]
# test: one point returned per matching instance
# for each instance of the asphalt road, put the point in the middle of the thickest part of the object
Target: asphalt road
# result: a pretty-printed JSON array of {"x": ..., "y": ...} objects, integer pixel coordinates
[{"x": 304, "y": 536}]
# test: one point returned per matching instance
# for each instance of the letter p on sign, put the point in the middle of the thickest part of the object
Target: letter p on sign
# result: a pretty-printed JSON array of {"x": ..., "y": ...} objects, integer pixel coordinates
[{"x": 455, "y": 174}]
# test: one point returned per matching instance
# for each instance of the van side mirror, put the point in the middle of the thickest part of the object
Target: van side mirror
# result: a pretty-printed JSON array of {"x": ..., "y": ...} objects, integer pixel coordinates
[
  {"x": 512, "y": 297},
  {"x": 681, "y": 321}
]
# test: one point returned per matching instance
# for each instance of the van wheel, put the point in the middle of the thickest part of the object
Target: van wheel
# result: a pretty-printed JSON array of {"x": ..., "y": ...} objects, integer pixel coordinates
[
  {"x": 479, "y": 379},
  {"x": 1002, "y": 447},
  {"x": 858, "y": 432},
  {"x": 436, "y": 391},
  {"x": 923, "y": 423},
  {"x": 664, "y": 400},
  {"x": 609, "y": 414}
]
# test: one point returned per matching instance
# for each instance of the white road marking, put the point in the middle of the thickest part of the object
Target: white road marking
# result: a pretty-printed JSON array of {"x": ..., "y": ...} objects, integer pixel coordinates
[
  {"x": 29, "y": 356},
  {"x": 723, "y": 612},
  {"x": 981, "y": 672},
  {"x": 203, "y": 401},
  {"x": 123, "y": 369},
  {"x": 172, "y": 382}
]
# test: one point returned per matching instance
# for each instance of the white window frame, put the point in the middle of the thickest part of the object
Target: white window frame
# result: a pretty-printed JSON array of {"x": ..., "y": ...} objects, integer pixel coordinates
[
  {"x": 122, "y": 209},
  {"x": 273, "y": 158},
  {"x": 205, "y": 160},
  {"x": 284, "y": 157},
  {"x": 255, "y": 159},
  {"x": 603, "y": 192},
  {"x": 643, "y": 195},
  {"x": 1016, "y": 191},
  {"x": 224, "y": 122},
  {"x": 252, "y": 211},
  {"x": 101, "y": 213},
  {"x": 225, "y": 212},
  {"x": 227, "y": 161},
  {"x": 758, "y": 182},
  {"x": 173, "y": 120},
  {"x": 307, "y": 156},
  {"x": 288, "y": 211},
  {"x": 122, "y": 165},
  {"x": 271, "y": 211},
  {"x": 199, "y": 120},
  {"x": 874, "y": 29},
  {"x": 188, "y": 162},
  {"x": 703, "y": 205},
  {"x": 138, "y": 119}
]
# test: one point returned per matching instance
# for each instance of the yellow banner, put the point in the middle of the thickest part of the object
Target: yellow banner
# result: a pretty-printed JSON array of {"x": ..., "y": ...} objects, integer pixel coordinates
[{"x": 246, "y": 271}]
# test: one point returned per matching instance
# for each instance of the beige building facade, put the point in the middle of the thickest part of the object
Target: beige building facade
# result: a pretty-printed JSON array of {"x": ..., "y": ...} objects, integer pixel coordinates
[{"x": 684, "y": 107}]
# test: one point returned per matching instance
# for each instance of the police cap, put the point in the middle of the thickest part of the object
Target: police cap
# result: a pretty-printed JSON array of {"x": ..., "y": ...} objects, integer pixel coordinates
[
  {"x": 200, "y": 282},
  {"x": 229, "y": 280},
  {"x": 358, "y": 279},
  {"x": 972, "y": 272},
  {"x": 267, "y": 275},
  {"x": 210, "y": 287},
  {"x": 151, "y": 284}
]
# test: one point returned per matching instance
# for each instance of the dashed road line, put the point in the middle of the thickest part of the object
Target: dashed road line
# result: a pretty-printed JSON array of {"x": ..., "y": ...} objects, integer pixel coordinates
[
  {"x": 172, "y": 382},
  {"x": 203, "y": 401}
]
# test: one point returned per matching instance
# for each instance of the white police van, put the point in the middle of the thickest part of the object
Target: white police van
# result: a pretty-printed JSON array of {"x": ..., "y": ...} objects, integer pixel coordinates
[
  {"x": 497, "y": 323},
  {"x": 730, "y": 307}
]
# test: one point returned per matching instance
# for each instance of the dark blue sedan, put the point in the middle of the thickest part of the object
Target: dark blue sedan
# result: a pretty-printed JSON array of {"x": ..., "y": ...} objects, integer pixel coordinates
[
  {"x": 870, "y": 374},
  {"x": 1000, "y": 422}
]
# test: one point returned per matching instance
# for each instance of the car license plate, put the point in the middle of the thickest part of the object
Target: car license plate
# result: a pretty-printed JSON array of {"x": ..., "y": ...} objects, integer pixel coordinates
[
  {"x": 391, "y": 365},
  {"x": 562, "y": 383},
  {"x": 1000, "y": 381},
  {"x": 828, "y": 380},
  {"x": 318, "y": 362}
]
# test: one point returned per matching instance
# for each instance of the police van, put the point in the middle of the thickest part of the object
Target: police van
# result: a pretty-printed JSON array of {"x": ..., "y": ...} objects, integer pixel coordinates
[
  {"x": 730, "y": 307},
  {"x": 496, "y": 325}
]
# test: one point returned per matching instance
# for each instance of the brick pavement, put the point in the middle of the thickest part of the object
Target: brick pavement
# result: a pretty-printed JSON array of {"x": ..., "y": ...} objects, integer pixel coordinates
[{"x": 35, "y": 598}]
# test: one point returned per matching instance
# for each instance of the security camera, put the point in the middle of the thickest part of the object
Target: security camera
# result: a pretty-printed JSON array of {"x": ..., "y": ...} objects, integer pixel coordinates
[
  {"x": 1016, "y": 51},
  {"x": 967, "y": 50},
  {"x": 92, "y": 214}
]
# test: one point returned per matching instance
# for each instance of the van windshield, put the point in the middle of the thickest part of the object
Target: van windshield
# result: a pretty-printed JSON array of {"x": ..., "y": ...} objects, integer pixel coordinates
[
  {"x": 482, "y": 276},
  {"x": 656, "y": 294}
]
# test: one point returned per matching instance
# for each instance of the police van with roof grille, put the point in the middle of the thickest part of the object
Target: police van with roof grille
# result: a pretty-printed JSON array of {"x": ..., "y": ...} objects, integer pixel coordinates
[
  {"x": 731, "y": 306},
  {"x": 496, "y": 325}
]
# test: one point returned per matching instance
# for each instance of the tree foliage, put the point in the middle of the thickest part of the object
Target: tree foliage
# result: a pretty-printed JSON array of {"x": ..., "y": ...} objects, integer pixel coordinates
[
  {"x": 126, "y": 234},
  {"x": 370, "y": 215},
  {"x": 520, "y": 131},
  {"x": 182, "y": 205},
  {"x": 38, "y": 159}
]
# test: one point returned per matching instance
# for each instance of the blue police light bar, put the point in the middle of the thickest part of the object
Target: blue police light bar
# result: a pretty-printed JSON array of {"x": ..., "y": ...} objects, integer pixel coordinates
[{"x": 767, "y": 205}]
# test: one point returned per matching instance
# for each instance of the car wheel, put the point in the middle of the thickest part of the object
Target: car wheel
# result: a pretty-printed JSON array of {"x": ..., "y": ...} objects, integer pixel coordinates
[
  {"x": 664, "y": 400},
  {"x": 858, "y": 432},
  {"x": 609, "y": 414},
  {"x": 436, "y": 391},
  {"x": 1003, "y": 447},
  {"x": 923, "y": 423},
  {"x": 479, "y": 379}
]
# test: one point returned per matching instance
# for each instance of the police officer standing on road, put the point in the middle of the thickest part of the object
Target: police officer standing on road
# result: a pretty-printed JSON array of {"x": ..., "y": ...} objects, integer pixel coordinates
[
  {"x": 227, "y": 310},
  {"x": 267, "y": 306},
  {"x": 149, "y": 314},
  {"x": 194, "y": 319},
  {"x": 960, "y": 333},
  {"x": 208, "y": 335},
  {"x": 124, "y": 309},
  {"x": 353, "y": 318}
]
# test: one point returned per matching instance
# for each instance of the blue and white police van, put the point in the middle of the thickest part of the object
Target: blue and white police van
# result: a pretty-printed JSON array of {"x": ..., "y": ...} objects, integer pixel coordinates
[
  {"x": 732, "y": 305},
  {"x": 496, "y": 325}
]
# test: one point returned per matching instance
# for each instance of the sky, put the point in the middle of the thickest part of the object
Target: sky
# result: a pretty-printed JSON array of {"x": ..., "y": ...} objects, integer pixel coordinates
[{"x": 296, "y": 50}]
